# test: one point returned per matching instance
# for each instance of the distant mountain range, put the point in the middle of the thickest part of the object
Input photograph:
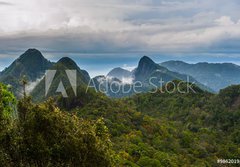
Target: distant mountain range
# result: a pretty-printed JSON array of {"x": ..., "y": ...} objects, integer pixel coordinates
[
  {"x": 214, "y": 75},
  {"x": 151, "y": 75},
  {"x": 33, "y": 65},
  {"x": 148, "y": 69}
]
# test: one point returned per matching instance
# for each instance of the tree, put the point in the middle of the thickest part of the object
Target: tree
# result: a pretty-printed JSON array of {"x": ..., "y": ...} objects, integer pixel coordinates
[
  {"x": 7, "y": 109},
  {"x": 24, "y": 82},
  {"x": 46, "y": 136},
  {"x": 7, "y": 105}
]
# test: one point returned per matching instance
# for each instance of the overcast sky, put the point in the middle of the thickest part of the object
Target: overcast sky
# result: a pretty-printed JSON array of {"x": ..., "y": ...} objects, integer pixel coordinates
[{"x": 136, "y": 27}]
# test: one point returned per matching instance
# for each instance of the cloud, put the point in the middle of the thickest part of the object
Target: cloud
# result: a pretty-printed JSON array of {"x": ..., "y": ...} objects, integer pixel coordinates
[
  {"x": 225, "y": 21},
  {"x": 90, "y": 26},
  {"x": 33, "y": 84},
  {"x": 2, "y": 3},
  {"x": 127, "y": 80},
  {"x": 129, "y": 68}
]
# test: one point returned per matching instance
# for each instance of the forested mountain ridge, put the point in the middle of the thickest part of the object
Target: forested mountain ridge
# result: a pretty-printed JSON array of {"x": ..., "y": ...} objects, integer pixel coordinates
[
  {"x": 82, "y": 78},
  {"x": 33, "y": 65},
  {"x": 30, "y": 64},
  {"x": 214, "y": 75},
  {"x": 150, "y": 74},
  {"x": 162, "y": 129}
]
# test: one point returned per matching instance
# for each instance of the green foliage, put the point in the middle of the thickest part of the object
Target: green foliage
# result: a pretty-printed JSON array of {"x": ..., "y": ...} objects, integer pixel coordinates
[
  {"x": 151, "y": 129},
  {"x": 7, "y": 103},
  {"x": 230, "y": 95},
  {"x": 164, "y": 129},
  {"x": 45, "y": 136}
]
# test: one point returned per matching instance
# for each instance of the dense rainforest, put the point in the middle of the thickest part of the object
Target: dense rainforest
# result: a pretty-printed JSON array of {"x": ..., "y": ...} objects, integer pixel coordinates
[{"x": 146, "y": 130}]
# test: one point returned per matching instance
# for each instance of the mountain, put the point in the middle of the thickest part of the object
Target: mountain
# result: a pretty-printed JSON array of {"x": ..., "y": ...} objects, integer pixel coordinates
[
  {"x": 62, "y": 78},
  {"x": 152, "y": 75},
  {"x": 146, "y": 67},
  {"x": 213, "y": 75},
  {"x": 31, "y": 64},
  {"x": 119, "y": 73},
  {"x": 147, "y": 129},
  {"x": 122, "y": 83},
  {"x": 67, "y": 63}
]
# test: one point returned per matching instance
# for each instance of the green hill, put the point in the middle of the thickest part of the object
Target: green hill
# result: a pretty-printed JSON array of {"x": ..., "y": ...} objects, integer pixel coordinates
[{"x": 162, "y": 129}]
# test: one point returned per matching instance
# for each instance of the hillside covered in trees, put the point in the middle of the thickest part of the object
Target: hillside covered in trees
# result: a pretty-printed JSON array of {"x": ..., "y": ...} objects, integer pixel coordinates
[
  {"x": 42, "y": 135},
  {"x": 150, "y": 129}
]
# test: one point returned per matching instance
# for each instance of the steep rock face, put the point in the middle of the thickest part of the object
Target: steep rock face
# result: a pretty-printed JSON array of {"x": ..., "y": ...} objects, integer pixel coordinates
[
  {"x": 151, "y": 74},
  {"x": 146, "y": 67}
]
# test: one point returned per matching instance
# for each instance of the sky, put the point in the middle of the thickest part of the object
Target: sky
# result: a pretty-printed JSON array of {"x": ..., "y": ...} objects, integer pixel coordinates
[{"x": 100, "y": 35}]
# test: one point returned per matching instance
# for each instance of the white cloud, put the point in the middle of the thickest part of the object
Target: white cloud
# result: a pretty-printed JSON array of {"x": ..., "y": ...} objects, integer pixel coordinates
[
  {"x": 33, "y": 84},
  {"x": 129, "y": 68},
  {"x": 225, "y": 21},
  {"x": 127, "y": 80}
]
